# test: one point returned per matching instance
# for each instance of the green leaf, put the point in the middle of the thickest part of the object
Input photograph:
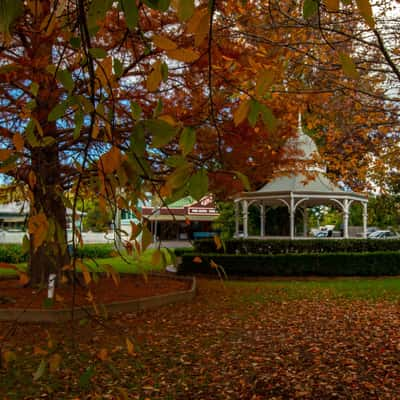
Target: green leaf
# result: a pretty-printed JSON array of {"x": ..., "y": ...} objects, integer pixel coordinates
[
  {"x": 365, "y": 9},
  {"x": 131, "y": 13},
  {"x": 48, "y": 303},
  {"x": 78, "y": 123},
  {"x": 97, "y": 12},
  {"x": 164, "y": 71},
  {"x": 10, "y": 10},
  {"x": 136, "y": 111},
  {"x": 30, "y": 136},
  {"x": 244, "y": 180},
  {"x": 65, "y": 77},
  {"x": 348, "y": 65},
  {"x": 58, "y": 111},
  {"x": 47, "y": 141},
  {"x": 161, "y": 132},
  {"x": 138, "y": 140},
  {"x": 176, "y": 161},
  {"x": 5, "y": 69},
  {"x": 84, "y": 379},
  {"x": 252, "y": 116},
  {"x": 34, "y": 88},
  {"x": 185, "y": 9},
  {"x": 40, "y": 371},
  {"x": 179, "y": 178},
  {"x": 268, "y": 118},
  {"x": 75, "y": 42},
  {"x": 118, "y": 68},
  {"x": 160, "y": 5},
  {"x": 31, "y": 105},
  {"x": 147, "y": 238},
  {"x": 187, "y": 140},
  {"x": 98, "y": 52},
  {"x": 198, "y": 184},
  {"x": 25, "y": 245},
  {"x": 158, "y": 109},
  {"x": 86, "y": 104},
  {"x": 310, "y": 8}
]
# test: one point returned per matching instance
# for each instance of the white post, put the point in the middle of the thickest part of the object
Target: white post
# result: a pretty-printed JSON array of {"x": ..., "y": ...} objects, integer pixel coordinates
[
  {"x": 155, "y": 231},
  {"x": 236, "y": 219},
  {"x": 365, "y": 219},
  {"x": 245, "y": 219},
  {"x": 346, "y": 218},
  {"x": 305, "y": 222},
  {"x": 117, "y": 230},
  {"x": 262, "y": 220},
  {"x": 291, "y": 213}
]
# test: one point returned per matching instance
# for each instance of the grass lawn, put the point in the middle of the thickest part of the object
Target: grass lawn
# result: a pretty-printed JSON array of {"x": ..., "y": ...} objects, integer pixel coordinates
[
  {"x": 387, "y": 288},
  {"x": 271, "y": 339},
  {"x": 128, "y": 264}
]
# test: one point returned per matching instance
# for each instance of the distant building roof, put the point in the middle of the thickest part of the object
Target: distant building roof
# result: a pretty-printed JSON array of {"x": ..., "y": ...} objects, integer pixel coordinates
[
  {"x": 185, "y": 201},
  {"x": 21, "y": 208},
  {"x": 185, "y": 208}
]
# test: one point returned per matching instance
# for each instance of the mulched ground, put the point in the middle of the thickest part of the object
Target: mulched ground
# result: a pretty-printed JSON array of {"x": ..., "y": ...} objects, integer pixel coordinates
[
  {"x": 231, "y": 342},
  {"x": 105, "y": 290}
]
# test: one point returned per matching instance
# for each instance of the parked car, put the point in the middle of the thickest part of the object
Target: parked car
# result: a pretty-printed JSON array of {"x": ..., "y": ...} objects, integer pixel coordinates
[
  {"x": 322, "y": 234},
  {"x": 371, "y": 229},
  {"x": 383, "y": 235}
]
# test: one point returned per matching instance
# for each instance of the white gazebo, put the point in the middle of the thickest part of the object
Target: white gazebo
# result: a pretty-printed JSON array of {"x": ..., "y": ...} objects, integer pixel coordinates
[{"x": 299, "y": 191}]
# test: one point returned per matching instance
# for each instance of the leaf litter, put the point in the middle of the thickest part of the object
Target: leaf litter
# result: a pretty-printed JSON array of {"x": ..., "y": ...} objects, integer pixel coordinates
[{"x": 234, "y": 341}]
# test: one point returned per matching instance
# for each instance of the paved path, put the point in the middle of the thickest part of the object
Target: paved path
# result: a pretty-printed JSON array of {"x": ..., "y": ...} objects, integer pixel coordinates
[{"x": 88, "y": 238}]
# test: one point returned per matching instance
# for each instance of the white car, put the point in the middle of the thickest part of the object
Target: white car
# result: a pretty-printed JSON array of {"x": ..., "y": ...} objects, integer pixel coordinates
[{"x": 383, "y": 235}]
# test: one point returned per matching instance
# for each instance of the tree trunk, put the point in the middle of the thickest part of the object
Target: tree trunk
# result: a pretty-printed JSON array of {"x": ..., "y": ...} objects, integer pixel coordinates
[{"x": 52, "y": 253}]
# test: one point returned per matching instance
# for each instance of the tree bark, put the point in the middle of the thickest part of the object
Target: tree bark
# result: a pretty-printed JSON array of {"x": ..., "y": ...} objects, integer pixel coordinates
[{"x": 52, "y": 254}]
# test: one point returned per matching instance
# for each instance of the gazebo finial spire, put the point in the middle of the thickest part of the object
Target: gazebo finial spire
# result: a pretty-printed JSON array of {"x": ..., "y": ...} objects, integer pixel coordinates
[{"x": 299, "y": 124}]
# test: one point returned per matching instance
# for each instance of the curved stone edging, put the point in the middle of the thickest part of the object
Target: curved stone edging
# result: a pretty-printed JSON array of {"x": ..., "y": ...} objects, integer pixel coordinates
[{"x": 145, "y": 303}]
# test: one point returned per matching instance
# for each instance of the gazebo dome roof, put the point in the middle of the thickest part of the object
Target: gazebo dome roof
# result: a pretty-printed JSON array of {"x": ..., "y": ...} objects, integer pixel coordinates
[
  {"x": 304, "y": 145},
  {"x": 301, "y": 183}
]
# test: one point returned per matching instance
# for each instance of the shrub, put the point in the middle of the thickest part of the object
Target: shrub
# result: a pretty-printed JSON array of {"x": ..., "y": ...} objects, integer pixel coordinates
[
  {"x": 12, "y": 253},
  {"x": 322, "y": 264},
  {"x": 287, "y": 246},
  {"x": 97, "y": 250}
]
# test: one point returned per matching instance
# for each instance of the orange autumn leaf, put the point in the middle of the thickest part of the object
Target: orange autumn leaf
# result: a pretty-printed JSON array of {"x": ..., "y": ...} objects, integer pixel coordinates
[
  {"x": 18, "y": 142},
  {"x": 111, "y": 161},
  {"x": 38, "y": 226},
  {"x": 130, "y": 347},
  {"x": 184, "y": 55},
  {"x": 155, "y": 77},
  {"x": 54, "y": 362},
  {"x": 241, "y": 112},
  {"x": 164, "y": 43},
  {"x": 102, "y": 355},
  {"x": 5, "y": 154},
  {"x": 218, "y": 242}
]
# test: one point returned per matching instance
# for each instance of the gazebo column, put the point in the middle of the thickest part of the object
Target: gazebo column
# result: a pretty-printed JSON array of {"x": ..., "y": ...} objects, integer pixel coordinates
[
  {"x": 305, "y": 222},
  {"x": 245, "y": 218},
  {"x": 292, "y": 211},
  {"x": 365, "y": 219},
  {"x": 262, "y": 220},
  {"x": 346, "y": 218},
  {"x": 236, "y": 219}
]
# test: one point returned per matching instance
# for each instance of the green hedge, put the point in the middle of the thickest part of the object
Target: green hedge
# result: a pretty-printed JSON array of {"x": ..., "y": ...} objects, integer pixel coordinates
[
  {"x": 279, "y": 246},
  {"x": 12, "y": 253},
  {"x": 96, "y": 250},
  {"x": 322, "y": 264}
]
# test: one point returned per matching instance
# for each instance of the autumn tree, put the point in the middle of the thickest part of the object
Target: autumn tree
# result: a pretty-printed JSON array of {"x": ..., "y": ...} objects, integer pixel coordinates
[
  {"x": 72, "y": 72},
  {"x": 114, "y": 99}
]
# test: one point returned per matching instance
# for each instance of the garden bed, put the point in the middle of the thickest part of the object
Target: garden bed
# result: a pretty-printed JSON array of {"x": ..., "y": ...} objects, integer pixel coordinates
[{"x": 133, "y": 293}]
